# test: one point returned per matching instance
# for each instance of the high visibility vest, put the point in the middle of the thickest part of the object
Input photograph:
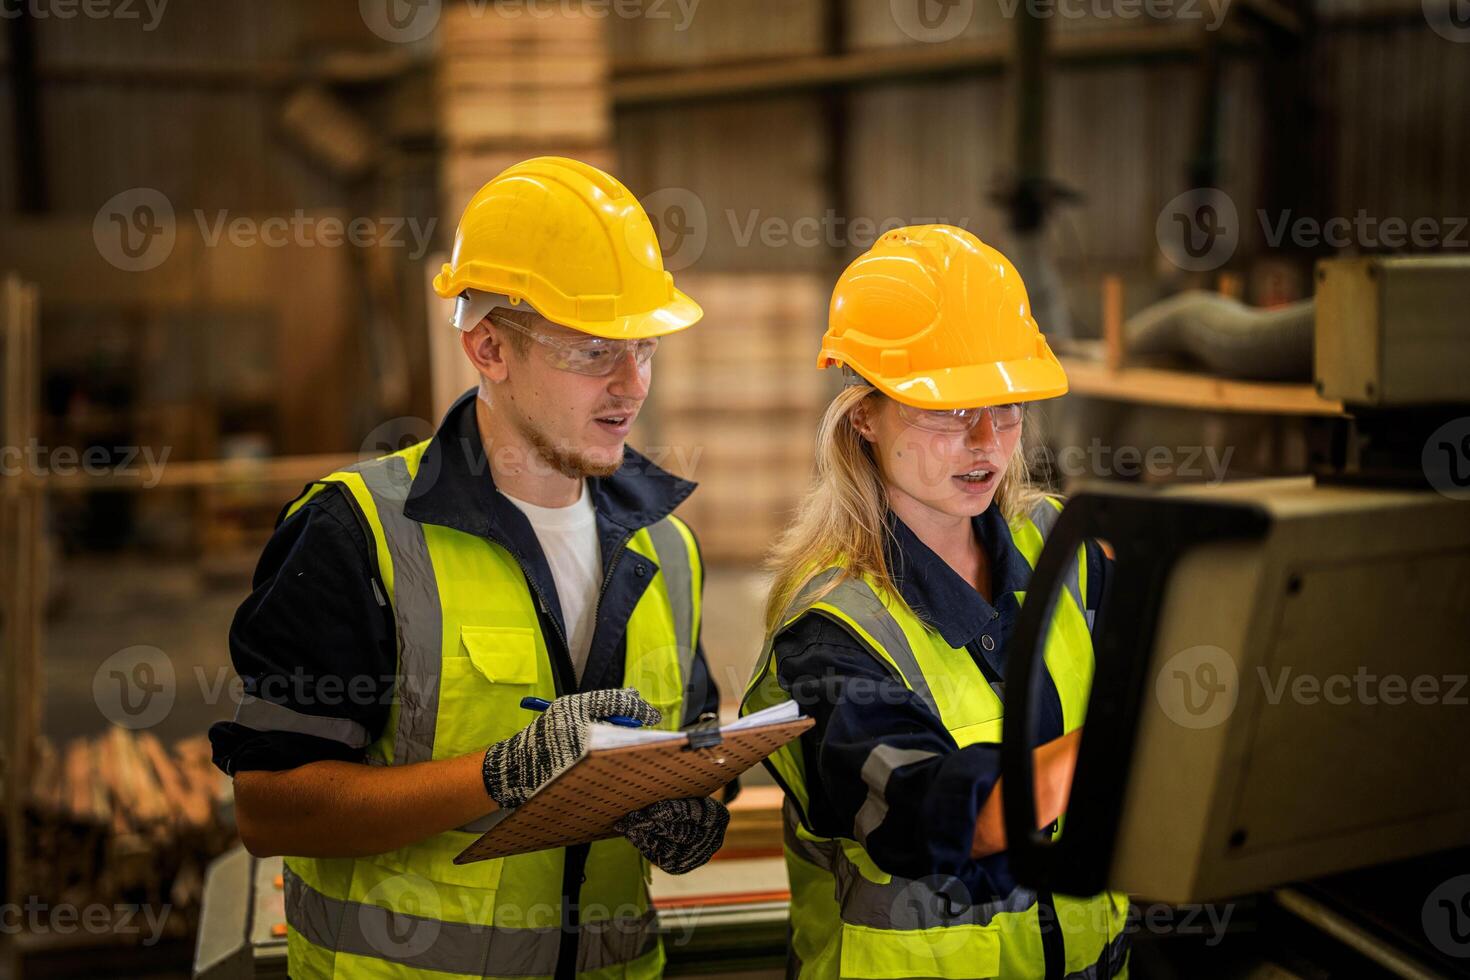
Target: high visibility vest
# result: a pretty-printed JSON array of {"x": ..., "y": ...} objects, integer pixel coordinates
[
  {"x": 470, "y": 646},
  {"x": 850, "y": 918}
]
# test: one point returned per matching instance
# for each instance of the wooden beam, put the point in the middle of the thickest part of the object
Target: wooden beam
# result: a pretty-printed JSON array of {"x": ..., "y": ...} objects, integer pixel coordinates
[
  {"x": 22, "y": 577},
  {"x": 777, "y": 76},
  {"x": 1115, "y": 342},
  {"x": 197, "y": 473},
  {"x": 334, "y": 68},
  {"x": 1185, "y": 389}
]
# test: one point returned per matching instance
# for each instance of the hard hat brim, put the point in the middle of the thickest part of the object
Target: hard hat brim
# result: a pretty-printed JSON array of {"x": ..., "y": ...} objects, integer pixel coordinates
[
  {"x": 971, "y": 385},
  {"x": 679, "y": 313}
]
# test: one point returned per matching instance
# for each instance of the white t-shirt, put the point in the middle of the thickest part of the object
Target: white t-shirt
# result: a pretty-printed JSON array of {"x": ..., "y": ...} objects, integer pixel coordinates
[{"x": 568, "y": 536}]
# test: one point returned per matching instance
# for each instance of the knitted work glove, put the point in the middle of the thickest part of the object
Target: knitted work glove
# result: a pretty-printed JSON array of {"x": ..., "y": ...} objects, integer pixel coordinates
[
  {"x": 677, "y": 835},
  {"x": 516, "y": 767}
]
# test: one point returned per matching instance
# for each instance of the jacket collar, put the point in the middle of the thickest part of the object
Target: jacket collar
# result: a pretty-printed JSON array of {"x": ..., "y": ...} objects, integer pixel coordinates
[
  {"x": 454, "y": 487},
  {"x": 939, "y": 595}
]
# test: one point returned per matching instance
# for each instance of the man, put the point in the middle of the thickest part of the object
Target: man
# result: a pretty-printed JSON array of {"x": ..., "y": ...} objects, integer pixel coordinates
[{"x": 405, "y": 606}]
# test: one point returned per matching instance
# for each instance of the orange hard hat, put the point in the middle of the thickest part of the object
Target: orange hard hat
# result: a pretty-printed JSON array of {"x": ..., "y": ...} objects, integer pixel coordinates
[{"x": 935, "y": 318}]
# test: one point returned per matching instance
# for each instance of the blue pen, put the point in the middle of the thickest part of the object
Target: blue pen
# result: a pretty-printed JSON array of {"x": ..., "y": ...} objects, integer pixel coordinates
[{"x": 541, "y": 704}]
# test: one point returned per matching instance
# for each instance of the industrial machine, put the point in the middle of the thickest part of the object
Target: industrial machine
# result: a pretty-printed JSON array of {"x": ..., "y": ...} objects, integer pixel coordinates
[{"x": 1281, "y": 686}]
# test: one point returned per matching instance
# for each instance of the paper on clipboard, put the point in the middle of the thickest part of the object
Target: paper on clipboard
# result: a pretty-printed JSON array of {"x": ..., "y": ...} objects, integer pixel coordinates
[{"x": 626, "y": 769}]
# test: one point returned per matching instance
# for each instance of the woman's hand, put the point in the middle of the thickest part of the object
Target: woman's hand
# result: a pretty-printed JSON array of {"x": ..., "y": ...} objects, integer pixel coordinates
[{"x": 1054, "y": 764}]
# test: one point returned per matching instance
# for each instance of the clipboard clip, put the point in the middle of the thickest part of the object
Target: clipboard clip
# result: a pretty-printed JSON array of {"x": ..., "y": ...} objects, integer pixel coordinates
[{"x": 704, "y": 733}]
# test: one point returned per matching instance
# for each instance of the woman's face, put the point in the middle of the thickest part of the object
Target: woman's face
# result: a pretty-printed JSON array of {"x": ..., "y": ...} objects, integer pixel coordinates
[{"x": 953, "y": 473}]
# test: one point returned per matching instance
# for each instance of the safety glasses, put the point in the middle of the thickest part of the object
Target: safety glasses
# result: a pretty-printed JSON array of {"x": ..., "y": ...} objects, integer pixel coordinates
[
  {"x": 1002, "y": 417},
  {"x": 593, "y": 356}
]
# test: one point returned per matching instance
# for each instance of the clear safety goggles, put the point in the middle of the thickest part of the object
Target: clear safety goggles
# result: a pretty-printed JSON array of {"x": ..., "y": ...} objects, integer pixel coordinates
[
  {"x": 593, "y": 356},
  {"x": 1002, "y": 417}
]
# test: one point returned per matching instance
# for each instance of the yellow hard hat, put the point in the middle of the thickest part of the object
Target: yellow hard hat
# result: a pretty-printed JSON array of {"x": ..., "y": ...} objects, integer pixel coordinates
[
  {"x": 935, "y": 318},
  {"x": 574, "y": 243}
]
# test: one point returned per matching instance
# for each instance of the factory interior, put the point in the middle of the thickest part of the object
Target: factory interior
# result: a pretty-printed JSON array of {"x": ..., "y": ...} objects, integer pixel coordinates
[{"x": 1242, "y": 231}]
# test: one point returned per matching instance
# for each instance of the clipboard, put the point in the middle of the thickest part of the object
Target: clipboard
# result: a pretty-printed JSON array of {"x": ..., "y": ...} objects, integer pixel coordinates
[{"x": 581, "y": 804}]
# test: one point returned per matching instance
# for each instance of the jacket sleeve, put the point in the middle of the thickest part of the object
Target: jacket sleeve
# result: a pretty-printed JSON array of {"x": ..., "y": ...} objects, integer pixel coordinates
[
  {"x": 1099, "y": 576},
  {"x": 881, "y": 769},
  {"x": 703, "y": 680},
  {"x": 314, "y": 646}
]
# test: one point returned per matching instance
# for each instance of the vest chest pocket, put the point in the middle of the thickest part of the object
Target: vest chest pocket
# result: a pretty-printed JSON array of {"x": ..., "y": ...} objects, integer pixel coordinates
[
  {"x": 975, "y": 714},
  {"x": 963, "y": 952},
  {"x": 481, "y": 690},
  {"x": 985, "y": 731}
]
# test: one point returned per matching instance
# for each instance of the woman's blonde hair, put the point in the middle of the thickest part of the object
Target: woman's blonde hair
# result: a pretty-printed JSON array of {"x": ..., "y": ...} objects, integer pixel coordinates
[{"x": 842, "y": 517}]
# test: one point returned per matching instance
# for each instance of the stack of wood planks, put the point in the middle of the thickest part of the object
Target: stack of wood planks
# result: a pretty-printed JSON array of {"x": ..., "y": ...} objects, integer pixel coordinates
[
  {"x": 517, "y": 81},
  {"x": 118, "y": 819},
  {"x": 736, "y": 403}
]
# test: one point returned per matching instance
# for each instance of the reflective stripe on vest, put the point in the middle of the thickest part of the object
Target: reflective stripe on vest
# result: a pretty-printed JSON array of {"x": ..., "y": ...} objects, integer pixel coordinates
[
  {"x": 469, "y": 646},
  {"x": 1044, "y": 515},
  {"x": 867, "y": 923},
  {"x": 421, "y": 943},
  {"x": 416, "y": 609},
  {"x": 673, "y": 549}
]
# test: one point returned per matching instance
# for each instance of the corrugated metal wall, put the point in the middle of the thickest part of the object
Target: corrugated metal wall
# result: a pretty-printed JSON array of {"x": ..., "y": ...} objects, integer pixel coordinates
[
  {"x": 7, "y": 154},
  {"x": 188, "y": 105},
  {"x": 743, "y": 174},
  {"x": 901, "y": 22},
  {"x": 1396, "y": 101},
  {"x": 1118, "y": 135},
  {"x": 695, "y": 32},
  {"x": 1390, "y": 105},
  {"x": 113, "y": 118},
  {"x": 1390, "y": 99}
]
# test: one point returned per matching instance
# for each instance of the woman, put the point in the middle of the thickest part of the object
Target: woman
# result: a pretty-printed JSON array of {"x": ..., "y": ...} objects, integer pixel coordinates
[{"x": 895, "y": 589}]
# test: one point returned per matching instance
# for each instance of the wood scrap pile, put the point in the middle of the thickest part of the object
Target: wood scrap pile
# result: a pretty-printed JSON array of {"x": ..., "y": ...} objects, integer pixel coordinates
[{"x": 120, "y": 820}]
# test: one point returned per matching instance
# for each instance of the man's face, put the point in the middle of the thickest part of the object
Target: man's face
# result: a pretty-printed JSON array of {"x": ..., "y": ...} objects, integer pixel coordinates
[{"x": 576, "y": 422}]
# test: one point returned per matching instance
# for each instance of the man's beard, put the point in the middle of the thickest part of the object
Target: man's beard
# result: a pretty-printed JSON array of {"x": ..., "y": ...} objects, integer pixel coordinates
[{"x": 567, "y": 462}]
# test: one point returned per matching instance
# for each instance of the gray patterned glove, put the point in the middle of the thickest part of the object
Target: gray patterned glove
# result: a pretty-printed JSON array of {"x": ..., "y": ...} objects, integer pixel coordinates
[
  {"x": 677, "y": 835},
  {"x": 516, "y": 767}
]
